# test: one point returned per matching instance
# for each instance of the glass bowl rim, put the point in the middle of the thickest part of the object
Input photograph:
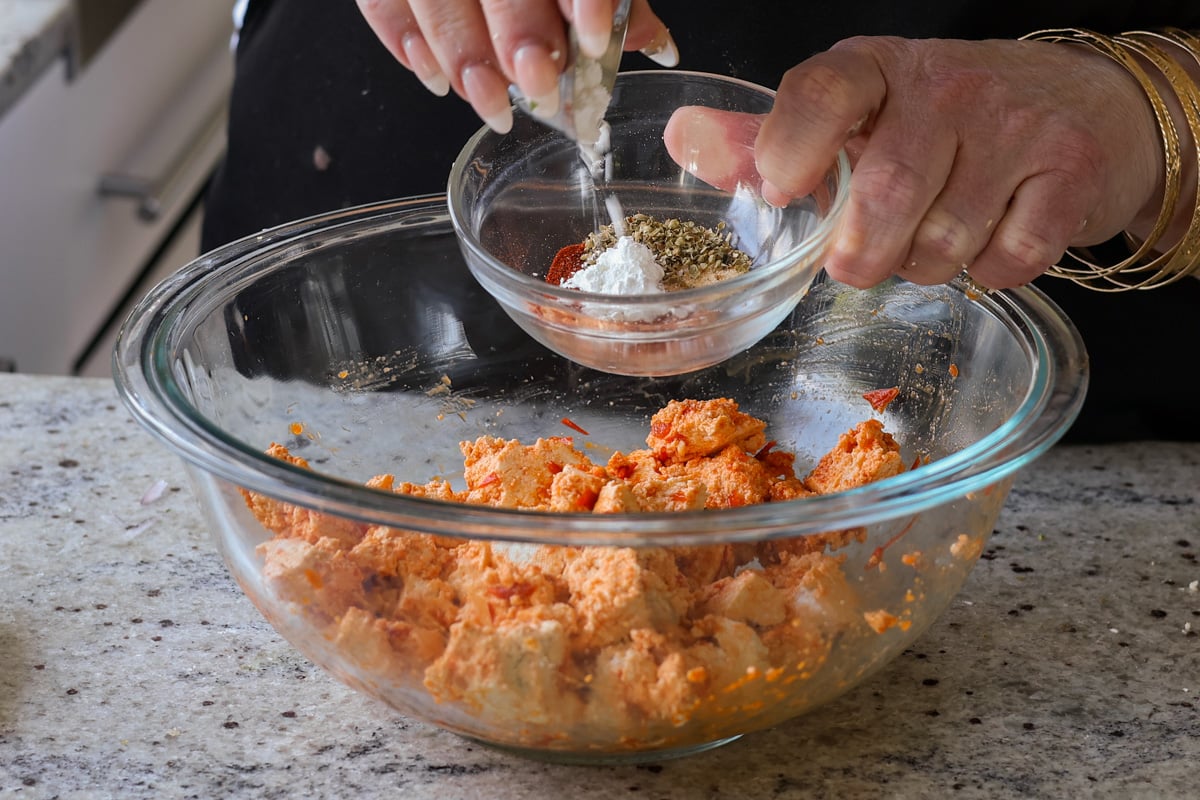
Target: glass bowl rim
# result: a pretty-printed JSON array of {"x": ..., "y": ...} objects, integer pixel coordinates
[
  {"x": 515, "y": 280},
  {"x": 146, "y": 382}
]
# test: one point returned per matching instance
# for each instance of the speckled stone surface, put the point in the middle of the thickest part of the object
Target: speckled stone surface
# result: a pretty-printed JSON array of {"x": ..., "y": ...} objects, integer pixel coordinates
[
  {"x": 33, "y": 33},
  {"x": 131, "y": 666}
]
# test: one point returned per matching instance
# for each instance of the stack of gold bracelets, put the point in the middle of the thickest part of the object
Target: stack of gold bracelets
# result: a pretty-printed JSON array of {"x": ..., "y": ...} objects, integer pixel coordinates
[{"x": 1148, "y": 267}]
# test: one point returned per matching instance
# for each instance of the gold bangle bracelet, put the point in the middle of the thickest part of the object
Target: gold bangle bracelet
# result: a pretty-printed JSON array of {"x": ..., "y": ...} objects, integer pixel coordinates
[
  {"x": 1129, "y": 272},
  {"x": 1181, "y": 259}
]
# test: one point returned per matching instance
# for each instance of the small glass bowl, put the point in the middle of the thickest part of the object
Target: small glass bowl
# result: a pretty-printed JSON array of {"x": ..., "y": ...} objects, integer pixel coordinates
[{"x": 517, "y": 199}]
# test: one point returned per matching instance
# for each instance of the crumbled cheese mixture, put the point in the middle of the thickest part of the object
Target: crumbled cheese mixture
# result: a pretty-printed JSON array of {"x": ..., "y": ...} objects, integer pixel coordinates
[{"x": 630, "y": 648}]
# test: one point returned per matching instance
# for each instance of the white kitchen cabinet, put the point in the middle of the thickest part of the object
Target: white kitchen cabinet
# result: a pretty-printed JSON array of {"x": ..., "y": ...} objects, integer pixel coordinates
[
  {"x": 101, "y": 175},
  {"x": 179, "y": 249}
]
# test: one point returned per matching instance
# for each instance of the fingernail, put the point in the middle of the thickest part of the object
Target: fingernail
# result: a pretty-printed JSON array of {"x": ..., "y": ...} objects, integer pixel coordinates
[
  {"x": 593, "y": 28},
  {"x": 662, "y": 50},
  {"x": 537, "y": 75},
  {"x": 774, "y": 195},
  {"x": 437, "y": 83},
  {"x": 593, "y": 43},
  {"x": 544, "y": 106},
  {"x": 425, "y": 66},
  {"x": 488, "y": 94}
]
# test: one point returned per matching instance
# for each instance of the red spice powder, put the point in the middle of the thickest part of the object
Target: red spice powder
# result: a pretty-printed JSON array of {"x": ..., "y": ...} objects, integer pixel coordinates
[{"x": 567, "y": 262}]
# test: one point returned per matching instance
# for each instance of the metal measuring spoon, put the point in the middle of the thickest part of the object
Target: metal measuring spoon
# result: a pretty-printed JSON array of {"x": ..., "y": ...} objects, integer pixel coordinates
[{"x": 585, "y": 86}]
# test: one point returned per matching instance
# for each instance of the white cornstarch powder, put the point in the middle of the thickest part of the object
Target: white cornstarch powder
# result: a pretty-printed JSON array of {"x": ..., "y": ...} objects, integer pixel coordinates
[
  {"x": 628, "y": 267},
  {"x": 590, "y": 102}
]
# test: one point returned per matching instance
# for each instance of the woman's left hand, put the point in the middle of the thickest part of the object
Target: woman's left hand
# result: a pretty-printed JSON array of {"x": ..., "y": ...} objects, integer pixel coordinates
[{"x": 993, "y": 155}]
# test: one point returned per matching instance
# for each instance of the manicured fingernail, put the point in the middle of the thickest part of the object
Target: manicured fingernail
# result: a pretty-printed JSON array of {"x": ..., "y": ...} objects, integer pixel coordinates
[
  {"x": 425, "y": 66},
  {"x": 662, "y": 50},
  {"x": 488, "y": 94},
  {"x": 593, "y": 28},
  {"x": 437, "y": 83},
  {"x": 537, "y": 75},
  {"x": 594, "y": 44},
  {"x": 545, "y": 106}
]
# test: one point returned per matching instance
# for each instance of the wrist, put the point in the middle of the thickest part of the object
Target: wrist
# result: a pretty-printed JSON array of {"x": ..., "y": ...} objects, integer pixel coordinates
[
  {"x": 1165, "y": 232},
  {"x": 1169, "y": 66}
]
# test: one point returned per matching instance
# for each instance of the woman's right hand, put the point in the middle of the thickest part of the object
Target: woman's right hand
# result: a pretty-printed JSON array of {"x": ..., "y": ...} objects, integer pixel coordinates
[{"x": 479, "y": 47}]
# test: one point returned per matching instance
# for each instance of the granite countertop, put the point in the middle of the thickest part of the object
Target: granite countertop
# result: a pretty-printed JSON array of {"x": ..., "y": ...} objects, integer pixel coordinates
[
  {"x": 33, "y": 35},
  {"x": 132, "y": 666}
]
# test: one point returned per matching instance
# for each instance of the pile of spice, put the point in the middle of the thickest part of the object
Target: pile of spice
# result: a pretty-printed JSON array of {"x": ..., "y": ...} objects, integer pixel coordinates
[{"x": 685, "y": 253}]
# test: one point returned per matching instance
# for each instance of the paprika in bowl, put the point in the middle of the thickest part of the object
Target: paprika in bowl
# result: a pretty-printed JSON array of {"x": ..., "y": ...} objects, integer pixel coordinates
[{"x": 520, "y": 201}]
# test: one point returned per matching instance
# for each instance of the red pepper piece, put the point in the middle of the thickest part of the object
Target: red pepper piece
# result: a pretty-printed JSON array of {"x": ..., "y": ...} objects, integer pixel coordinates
[
  {"x": 880, "y": 398},
  {"x": 570, "y": 424}
]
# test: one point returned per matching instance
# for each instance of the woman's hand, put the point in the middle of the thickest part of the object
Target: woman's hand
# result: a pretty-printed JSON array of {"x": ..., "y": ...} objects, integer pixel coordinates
[
  {"x": 479, "y": 47},
  {"x": 993, "y": 155}
]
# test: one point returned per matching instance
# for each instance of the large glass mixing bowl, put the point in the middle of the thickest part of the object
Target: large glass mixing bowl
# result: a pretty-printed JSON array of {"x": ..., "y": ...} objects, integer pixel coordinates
[{"x": 358, "y": 340}]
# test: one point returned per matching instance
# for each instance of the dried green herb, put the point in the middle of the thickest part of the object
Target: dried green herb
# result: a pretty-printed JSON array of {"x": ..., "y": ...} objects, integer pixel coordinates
[{"x": 691, "y": 255}]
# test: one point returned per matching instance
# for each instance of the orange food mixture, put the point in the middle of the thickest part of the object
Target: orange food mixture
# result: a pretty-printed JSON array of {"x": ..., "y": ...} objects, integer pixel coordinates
[{"x": 628, "y": 644}]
